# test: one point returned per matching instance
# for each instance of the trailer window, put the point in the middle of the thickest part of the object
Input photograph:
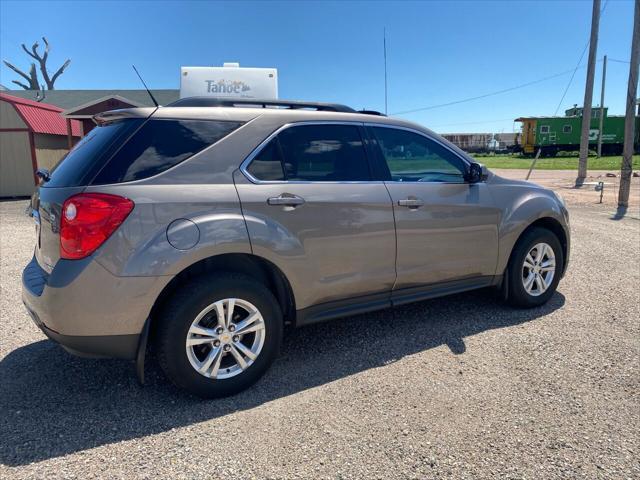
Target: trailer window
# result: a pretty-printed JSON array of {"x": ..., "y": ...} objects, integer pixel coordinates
[
  {"x": 544, "y": 129},
  {"x": 566, "y": 129}
]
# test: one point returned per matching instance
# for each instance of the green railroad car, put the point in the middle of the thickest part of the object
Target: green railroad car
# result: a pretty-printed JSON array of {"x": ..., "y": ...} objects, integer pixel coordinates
[{"x": 554, "y": 134}]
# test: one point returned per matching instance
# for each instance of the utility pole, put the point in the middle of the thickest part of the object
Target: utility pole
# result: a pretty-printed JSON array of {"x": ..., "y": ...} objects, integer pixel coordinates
[
  {"x": 604, "y": 77},
  {"x": 588, "y": 95},
  {"x": 627, "y": 150}
]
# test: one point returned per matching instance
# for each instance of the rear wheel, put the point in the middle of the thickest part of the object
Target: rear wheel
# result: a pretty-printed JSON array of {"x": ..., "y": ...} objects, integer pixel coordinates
[
  {"x": 218, "y": 334},
  {"x": 535, "y": 268}
]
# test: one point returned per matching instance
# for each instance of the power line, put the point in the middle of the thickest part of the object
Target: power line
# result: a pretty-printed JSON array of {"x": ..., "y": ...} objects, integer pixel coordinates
[
  {"x": 498, "y": 92},
  {"x": 618, "y": 61}
]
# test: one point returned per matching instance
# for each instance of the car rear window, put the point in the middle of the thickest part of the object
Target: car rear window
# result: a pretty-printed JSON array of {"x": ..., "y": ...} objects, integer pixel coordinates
[
  {"x": 86, "y": 159},
  {"x": 161, "y": 144}
]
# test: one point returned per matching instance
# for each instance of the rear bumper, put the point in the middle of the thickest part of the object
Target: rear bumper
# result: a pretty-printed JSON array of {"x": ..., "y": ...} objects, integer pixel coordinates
[
  {"x": 103, "y": 346},
  {"x": 86, "y": 309}
]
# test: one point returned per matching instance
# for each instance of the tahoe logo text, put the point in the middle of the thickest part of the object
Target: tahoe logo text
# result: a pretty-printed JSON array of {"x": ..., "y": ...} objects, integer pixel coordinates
[{"x": 222, "y": 86}]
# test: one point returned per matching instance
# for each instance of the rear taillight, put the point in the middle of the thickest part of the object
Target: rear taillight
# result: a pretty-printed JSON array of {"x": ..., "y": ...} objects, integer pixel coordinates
[{"x": 88, "y": 219}]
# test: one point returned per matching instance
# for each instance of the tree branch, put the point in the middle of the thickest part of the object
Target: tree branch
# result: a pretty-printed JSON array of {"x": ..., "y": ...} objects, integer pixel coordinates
[
  {"x": 32, "y": 55},
  {"x": 32, "y": 77},
  {"x": 46, "y": 50},
  {"x": 59, "y": 72},
  {"x": 17, "y": 70},
  {"x": 26, "y": 87}
]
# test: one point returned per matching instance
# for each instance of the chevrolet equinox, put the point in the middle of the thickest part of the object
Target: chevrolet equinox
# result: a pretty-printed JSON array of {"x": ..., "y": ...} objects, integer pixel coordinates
[{"x": 205, "y": 227}]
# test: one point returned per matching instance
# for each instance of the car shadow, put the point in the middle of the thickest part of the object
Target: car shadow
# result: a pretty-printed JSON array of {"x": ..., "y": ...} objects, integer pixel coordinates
[{"x": 53, "y": 404}]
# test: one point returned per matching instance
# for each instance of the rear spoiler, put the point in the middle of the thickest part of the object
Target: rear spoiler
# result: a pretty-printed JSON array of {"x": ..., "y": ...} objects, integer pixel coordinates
[{"x": 110, "y": 116}]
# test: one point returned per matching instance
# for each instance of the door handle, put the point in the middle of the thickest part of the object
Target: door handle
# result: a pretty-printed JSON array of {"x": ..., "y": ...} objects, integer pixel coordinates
[
  {"x": 286, "y": 199},
  {"x": 411, "y": 202}
]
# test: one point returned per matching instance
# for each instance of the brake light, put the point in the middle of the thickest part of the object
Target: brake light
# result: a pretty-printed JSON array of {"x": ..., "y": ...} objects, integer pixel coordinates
[{"x": 88, "y": 219}]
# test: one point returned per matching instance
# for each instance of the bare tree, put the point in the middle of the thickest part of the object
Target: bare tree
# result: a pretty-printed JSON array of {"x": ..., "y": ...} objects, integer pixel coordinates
[{"x": 32, "y": 76}]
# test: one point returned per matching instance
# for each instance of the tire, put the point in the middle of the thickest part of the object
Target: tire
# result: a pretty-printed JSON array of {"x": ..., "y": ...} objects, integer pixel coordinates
[
  {"x": 519, "y": 274},
  {"x": 179, "y": 322}
]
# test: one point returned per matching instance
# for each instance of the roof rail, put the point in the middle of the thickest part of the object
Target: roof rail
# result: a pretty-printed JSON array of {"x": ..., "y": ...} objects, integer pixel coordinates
[
  {"x": 251, "y": 102},
  {"x": 371, "y": 112}
]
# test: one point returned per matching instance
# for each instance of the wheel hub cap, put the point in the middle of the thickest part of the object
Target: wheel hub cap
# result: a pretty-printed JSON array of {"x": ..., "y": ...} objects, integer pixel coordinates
[
  {"x": 538, "y": 269},
  {"x": 225, "y": 338}
]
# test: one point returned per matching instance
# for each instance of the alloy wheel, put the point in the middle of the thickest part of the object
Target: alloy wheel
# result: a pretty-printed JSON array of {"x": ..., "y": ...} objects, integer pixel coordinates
[
  {"x": 225, "y": 338},
  {"x": 538, "y": 269}
]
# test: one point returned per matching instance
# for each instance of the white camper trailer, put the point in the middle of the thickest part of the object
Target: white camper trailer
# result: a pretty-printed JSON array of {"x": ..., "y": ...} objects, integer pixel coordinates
[{"x": 229, "y": 81}]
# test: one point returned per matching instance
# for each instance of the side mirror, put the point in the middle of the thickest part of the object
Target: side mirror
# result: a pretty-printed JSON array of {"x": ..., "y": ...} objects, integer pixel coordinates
[{"x": 477, "y": 173}]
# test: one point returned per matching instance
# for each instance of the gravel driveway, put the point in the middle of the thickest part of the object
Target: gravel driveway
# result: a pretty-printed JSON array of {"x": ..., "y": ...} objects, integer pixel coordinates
[{"x": 461, "y": 387}]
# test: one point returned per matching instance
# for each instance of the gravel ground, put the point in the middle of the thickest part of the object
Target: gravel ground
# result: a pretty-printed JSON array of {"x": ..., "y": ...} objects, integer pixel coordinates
[
  {"x": 563, "y": 181},
  {"x": 460, "y": 387}
]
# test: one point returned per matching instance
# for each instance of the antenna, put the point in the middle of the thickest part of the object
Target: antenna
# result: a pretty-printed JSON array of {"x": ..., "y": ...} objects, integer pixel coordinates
[
  {"x": 145, "y": 86},
  {"x": 384, "y": 43}
]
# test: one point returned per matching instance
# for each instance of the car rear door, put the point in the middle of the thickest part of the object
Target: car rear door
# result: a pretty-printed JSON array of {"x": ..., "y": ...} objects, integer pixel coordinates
[
  {"x": 446, "y": 228},
  {"x": 312, "y": 208}
]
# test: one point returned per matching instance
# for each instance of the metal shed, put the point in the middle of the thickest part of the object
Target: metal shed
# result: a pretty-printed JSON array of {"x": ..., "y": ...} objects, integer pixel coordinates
[{"x": 32, "y": 135}]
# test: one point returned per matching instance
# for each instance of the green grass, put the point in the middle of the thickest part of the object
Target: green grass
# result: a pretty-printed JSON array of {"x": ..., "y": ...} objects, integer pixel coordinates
[{"x": 558, "y": 163}]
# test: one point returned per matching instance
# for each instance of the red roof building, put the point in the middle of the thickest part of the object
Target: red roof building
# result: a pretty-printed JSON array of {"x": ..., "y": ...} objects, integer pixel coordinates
[{"x": 32, "y": 135}]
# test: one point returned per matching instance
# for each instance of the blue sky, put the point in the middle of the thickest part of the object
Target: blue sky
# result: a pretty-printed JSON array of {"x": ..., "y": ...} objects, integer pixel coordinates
[{"x": 438, "y": 52}]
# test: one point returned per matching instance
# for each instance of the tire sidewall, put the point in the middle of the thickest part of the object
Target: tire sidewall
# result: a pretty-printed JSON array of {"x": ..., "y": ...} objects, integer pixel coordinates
[{"x": 193, "y": 299}]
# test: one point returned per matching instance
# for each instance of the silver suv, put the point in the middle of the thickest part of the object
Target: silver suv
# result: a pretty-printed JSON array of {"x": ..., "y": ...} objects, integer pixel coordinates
[{"x": 205, "y": 227}]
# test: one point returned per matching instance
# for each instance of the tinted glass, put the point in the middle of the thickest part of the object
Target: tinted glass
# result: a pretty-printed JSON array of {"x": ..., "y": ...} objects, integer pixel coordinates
[
  {"x": 414, "y": 158},
  {"x": 267, "y": 165},
  {"x": 324, "y": 153},
  {"x": 84, "y": 160},
  {"x": 159, "y": 145}
]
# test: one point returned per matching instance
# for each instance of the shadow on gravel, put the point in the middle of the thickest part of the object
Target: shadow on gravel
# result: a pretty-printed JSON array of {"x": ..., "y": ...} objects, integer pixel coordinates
[{"x": 53, "y": 404}]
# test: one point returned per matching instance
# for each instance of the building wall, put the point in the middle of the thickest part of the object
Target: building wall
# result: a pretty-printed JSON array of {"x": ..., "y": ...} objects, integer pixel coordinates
[
  {"x": 9, "y": 118},
  {"x": 16, "y": 168},
  {"x": 49, "y": 149}
]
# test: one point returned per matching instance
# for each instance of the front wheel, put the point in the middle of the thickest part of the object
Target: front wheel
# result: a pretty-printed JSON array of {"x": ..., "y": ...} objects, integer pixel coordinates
[
  {"x": 218, "y": 334},
  {"x": 535, "y": 268}
]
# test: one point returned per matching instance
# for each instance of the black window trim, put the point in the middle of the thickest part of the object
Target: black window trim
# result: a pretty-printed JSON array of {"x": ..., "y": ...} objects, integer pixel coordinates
[
  {"x": 244, "y": 166},
  {"x": 173, "y": 167},
  {"x": 380, "y": 155}
]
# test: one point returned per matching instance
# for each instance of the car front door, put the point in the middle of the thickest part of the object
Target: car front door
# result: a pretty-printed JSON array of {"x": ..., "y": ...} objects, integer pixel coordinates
[
  {"x": 446, "y": 227},
  {"x": 312, "y": 208}
]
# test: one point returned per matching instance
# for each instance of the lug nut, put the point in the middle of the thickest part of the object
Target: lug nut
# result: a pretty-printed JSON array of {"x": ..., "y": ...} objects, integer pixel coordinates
[
  {"x": 226, "y": 348},
  {"x": 236, "y": 338},
  {"x": 219, "y": 330},
  {"x": 216, "y": 343},
  {"x": 232, "y": 328}
]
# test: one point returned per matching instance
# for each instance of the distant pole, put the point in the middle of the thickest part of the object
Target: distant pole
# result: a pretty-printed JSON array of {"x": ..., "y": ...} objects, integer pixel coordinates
[
  {"x": 384, "y": 42},
  {"x": 627, "y": 150},
  {"x": 600, "y": 132},
  {"x": 533, "y": 164},
  {"x": 588, "y": 94}
]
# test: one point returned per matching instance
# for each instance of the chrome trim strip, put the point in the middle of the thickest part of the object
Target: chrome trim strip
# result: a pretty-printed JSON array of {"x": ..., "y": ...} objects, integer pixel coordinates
[{"x": 247, "y": 161}]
